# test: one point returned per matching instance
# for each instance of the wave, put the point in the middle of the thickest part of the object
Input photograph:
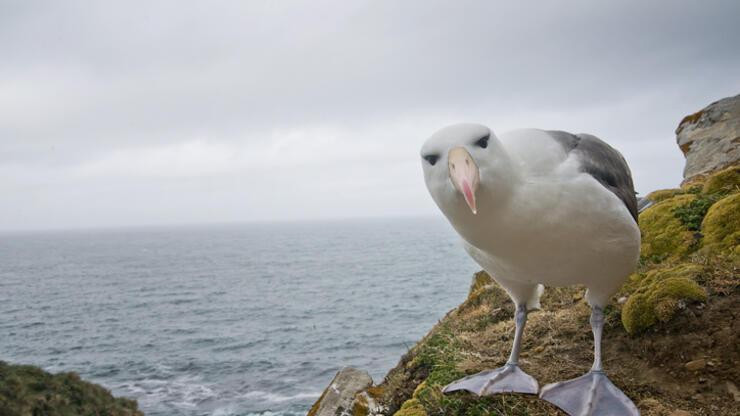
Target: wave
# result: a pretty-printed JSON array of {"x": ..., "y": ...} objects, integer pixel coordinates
[
  {"x": 279, "y": 398},
  {"x": 234, "y": 411},
  {"x": 184, "y": 392}
]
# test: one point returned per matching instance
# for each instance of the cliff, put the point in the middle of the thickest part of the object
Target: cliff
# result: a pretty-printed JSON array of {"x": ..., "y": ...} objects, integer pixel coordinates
[
  {"x": 26, "y": 390},
  {"x": 671, "y": 333}
]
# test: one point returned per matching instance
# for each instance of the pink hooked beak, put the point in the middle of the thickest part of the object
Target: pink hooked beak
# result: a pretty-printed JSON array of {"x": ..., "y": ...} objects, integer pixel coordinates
[{"x": 464, "y": 174}]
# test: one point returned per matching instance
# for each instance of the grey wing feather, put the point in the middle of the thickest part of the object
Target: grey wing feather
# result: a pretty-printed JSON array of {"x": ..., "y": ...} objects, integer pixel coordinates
[{"x": 603, "y": 162}]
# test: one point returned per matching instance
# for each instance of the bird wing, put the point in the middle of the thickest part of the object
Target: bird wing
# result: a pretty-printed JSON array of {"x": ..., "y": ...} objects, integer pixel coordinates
[{"x": 602, "y": 162}]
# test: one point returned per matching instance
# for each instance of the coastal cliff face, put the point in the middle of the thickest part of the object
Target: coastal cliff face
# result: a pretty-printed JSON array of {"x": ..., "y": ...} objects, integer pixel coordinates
[{"x": 671, "y": 338}]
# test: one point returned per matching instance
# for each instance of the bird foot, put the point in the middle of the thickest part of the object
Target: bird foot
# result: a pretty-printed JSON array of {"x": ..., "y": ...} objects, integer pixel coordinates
[
  {"x": 590, "y": 394},
  {"x": 509, "y": 378}
]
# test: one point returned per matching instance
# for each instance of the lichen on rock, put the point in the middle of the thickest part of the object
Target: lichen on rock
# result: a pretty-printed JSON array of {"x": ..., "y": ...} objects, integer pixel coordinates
[
  {"x": 659, "y": 294},
  {"x": 709, "y": 138}
]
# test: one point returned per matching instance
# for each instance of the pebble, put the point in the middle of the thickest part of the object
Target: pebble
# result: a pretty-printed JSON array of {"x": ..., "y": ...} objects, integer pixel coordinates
[
  {"x": 696, "y": 365},
  {"x": 732, "y": 389},
  {"x": 622, "y": 300},
  {"x": 539, "y": 349}
]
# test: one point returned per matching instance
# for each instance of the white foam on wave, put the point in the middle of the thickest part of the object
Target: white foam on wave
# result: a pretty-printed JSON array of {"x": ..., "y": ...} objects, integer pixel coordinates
[
  {"x": 183, "y": 392},
  {"x": 234, "y": 411},
  {"x": 279, "y": 398}
]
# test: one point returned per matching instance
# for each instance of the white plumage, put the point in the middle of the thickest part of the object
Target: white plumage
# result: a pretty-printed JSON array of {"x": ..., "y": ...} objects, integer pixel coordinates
[{"x": 537, "y": 208}]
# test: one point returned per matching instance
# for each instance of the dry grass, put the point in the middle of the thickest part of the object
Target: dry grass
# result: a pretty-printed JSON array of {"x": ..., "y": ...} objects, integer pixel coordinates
[{"x": 650, "y": 368}]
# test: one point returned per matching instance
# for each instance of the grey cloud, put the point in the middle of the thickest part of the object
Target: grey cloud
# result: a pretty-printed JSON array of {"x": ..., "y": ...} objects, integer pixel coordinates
[{"x": 82, "y": 81}]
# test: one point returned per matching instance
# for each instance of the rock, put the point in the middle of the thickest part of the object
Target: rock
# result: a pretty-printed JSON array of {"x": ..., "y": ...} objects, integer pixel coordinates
[
  {"x": 710, "y": 138},
  {"x": 679, "y": 413},
  {"x": 338, "y": 398},
  {"x": 732, "y": 390},
  {"x": 696, "y": 365}
]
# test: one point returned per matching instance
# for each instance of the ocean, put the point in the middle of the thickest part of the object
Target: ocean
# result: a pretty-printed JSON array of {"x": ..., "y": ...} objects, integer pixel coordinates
[{"x": 247, "y": 319}]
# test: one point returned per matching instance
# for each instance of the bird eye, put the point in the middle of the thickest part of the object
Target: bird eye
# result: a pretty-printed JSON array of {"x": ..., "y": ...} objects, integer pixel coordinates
[
  {"x": 482, "y": 142},
  {"x": 432, "y": 159}
]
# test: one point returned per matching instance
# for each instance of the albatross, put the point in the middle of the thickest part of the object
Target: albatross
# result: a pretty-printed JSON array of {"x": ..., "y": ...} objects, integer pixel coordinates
[{"x": 540, "y": 208}]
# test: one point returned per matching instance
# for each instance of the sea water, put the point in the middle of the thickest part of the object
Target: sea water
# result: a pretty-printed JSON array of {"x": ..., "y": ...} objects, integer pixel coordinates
[{"x": 249, "y": 319}]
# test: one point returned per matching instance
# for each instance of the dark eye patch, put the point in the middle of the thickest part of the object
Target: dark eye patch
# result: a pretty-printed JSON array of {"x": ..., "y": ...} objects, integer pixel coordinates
[
  {"x": 432, "y": 159},
  {"x": 483, "y": 141}
]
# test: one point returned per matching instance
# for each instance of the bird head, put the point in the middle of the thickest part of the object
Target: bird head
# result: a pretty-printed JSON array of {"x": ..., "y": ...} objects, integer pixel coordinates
[{"x": 464, "y": 165}]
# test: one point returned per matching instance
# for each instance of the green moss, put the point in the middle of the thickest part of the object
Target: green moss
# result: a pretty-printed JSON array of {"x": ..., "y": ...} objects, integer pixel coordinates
[
  {"x": 415, "y": 406},
  {"x": 411, "y": 407},
  {"x": 480, "y": 280},
  {"x": 721, "y": 228},
  {"x": 664, "y": 235},
  {"x": 692, "y": 214},
  {"x": 723, "y": 182},
  {"x": 438, "y": 355},
  {"x": 658, "y": 295},
  {"x": 27, "y": 390},
  {"x": 662, "y": 194}
]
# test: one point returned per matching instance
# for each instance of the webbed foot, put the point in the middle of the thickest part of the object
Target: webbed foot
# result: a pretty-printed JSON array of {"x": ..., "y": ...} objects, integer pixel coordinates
[
  {"x": 509, "y": 378},
  {"x": 591, "y": 394}
]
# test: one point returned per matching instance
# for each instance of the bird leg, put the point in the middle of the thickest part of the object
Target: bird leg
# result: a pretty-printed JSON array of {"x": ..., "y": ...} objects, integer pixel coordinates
[
  {"x": 591, "y": 394},
  {"x": 509, "y": 378}
]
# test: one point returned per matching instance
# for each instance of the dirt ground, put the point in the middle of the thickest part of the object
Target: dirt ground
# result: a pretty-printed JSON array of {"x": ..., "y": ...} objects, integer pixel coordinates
[{"x": 651, "y": 368}]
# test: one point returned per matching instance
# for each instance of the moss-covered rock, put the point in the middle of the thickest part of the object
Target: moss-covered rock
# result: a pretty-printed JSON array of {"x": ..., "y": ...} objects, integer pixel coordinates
[
  {"x": 721, "y": 228},
  {"x": 345, "y": 393},
  {"x": 664, "y": 235},
  {"x": 27, "y": 390},
  {"x": 724, "y": 181},
  {"x": 411, "y": 407},
  {"x": 659, "y": 294},
  {"x": 480, "y": 280},
  {"x": 414, "y": 406},
  {"x": 662, "y": 194}
]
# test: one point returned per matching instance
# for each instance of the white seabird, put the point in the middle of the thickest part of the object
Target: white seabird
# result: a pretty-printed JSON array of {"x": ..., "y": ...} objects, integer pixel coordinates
[{"x": 536, "y": 208}]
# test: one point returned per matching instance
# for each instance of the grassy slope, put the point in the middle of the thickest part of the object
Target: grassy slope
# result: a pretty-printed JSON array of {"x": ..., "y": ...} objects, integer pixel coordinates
[
  {"x": 680, "y": 306},
  {"x": 27, "y": 390}
]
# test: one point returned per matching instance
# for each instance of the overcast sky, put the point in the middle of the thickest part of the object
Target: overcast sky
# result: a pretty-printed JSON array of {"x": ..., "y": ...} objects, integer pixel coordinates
[{"x": 151, "y": 112}]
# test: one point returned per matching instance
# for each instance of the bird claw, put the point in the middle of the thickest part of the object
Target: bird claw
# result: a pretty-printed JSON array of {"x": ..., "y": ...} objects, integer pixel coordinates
[
  {"x": 591, "y": 394},
  {"x": 507, "y": 379}
]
